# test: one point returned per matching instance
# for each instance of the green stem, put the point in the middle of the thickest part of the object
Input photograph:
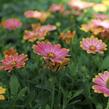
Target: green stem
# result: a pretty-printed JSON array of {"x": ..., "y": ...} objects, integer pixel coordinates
[
  {"x": 107, "y": 107},
  {"x": 53, "y": 93}
]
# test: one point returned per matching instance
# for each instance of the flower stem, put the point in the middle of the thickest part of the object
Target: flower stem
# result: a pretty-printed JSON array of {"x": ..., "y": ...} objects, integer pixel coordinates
[{"x": 107, "y": 107}]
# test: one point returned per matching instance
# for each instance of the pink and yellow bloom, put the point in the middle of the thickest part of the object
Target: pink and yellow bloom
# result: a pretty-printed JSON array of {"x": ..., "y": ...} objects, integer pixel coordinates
[
  {"x": 42, "y": 16},
  {"x": 101, "y": 83},
  {"x": 93, "y": 45},
  {"x": 38, "y": 33},
  {"x": 57, "y": 8},
  {"x": 52, "y": 52},
  {"x": 11, "y": 24},
  {"x": 79, "y": 5},
  {"x": 14, "y": 61}
]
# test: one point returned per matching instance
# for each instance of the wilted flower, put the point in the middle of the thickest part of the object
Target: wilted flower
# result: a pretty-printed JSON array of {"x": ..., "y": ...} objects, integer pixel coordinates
[
  {"x": 11, "y": 62},
  {"x": 52, "y": 52},
  {"x": 101, "y": 83},
  {"x": 42, "y": 16},
  {"x": 79, "y": 5},
  {"x": 67, "y": 37},
  {"x": 2, "y": 91},
  {"x": 100, "y": 7},
  {"x": 57, "y": 8},
  {"x": 38, "y": 33},
  {"x": 93, "y": 45},
  {"x": 11, "y": 24}
]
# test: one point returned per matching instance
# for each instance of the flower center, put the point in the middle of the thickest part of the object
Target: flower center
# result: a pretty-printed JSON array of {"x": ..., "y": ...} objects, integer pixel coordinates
[
  {"x": 13, "y": 63},
  {"x": 51, "y": 55},
  {"x": 92, "y": 48},
  {"x": 107, "y": 83}
]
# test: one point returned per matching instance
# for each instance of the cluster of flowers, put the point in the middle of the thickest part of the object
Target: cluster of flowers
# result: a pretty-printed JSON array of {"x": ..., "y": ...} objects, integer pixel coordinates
[{"x": 53, "y": 54}]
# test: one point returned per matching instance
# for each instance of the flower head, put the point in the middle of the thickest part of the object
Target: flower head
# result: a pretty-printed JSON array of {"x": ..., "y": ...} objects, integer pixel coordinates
[
  {"x": 56, "y": 8},
  {"x": 101, "y": 83},
  {"x": 42, "y": 16},
  {"x": 11, "y": 24},
  {"x": 11, "y": 62},
  {"x": 10, "y": 52},
  {"x": 2, "y": 91},
  {"x": 52, "y": 52},
  {"x": 93, "y": 45},
  {"x": 38, "y": 33},
  {"x": 79, "y": 5},
  {"x": 67, "y": 37}
]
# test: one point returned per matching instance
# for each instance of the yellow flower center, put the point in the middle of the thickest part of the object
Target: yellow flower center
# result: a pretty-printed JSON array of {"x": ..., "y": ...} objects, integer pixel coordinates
[
  {"x": 51, "y": 55},
  {"x": 92, "y": 48},
  {"x": 107, "y": 83},
  {"x": 13, "y": 63}
]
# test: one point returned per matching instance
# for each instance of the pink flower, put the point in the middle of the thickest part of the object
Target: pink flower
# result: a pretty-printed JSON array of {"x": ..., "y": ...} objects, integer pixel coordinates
[
  {"x": 13, "y": 61},
  {"x": 101, "y": 83},
  {"x": 79, "y": 5},
  {"x": 101, "y": 16},
  {"x": 38, "y": 33},
  {"x": 93, "y": 45},
  {"x": 11, "y": 24},
  {"x": 42, "y": 16},
  {"x": 56, "y": 8},
  {"x": 52, "y": 52},
  {"x": 99, "y": 23},
  {"x": 32, "y": 14}
]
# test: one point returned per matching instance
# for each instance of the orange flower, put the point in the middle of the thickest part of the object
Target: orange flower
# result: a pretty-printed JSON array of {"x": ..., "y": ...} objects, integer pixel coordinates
[
  {"x": 10, "y": 52},
  {"x": 67, "y": 37}
]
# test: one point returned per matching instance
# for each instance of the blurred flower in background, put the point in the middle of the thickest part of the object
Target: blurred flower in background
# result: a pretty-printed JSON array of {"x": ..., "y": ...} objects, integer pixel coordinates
[{"x": 11, "y": 23}]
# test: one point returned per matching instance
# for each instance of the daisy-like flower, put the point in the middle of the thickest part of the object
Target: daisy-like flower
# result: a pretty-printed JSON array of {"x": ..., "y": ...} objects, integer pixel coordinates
[
  {"x": 2, "y": 92},
  {"x": 57, "y": 8},
  {"x": 93, "y": 45},
  {"x": 38, "y": 33},
  {"x": 11, "y": 24},
  {"x": 79, "y": 5},
  {"x": 67, "y": 37},
  {"x": 52, "y": 52},
  {"x": 11, "y": 62},
  {"x": 42, "y": 16},
  {"x": 101, "y": 83}
]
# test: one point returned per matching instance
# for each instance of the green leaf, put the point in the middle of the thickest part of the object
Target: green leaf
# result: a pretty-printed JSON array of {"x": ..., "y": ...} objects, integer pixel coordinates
[
  {"x": 105, "y": 63},
  {"x": 14, "y": 85},
  {"x": 47, "y": 107},
  {"x": 77, "y": 93},
  {"x": 22, "y": 93}
]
